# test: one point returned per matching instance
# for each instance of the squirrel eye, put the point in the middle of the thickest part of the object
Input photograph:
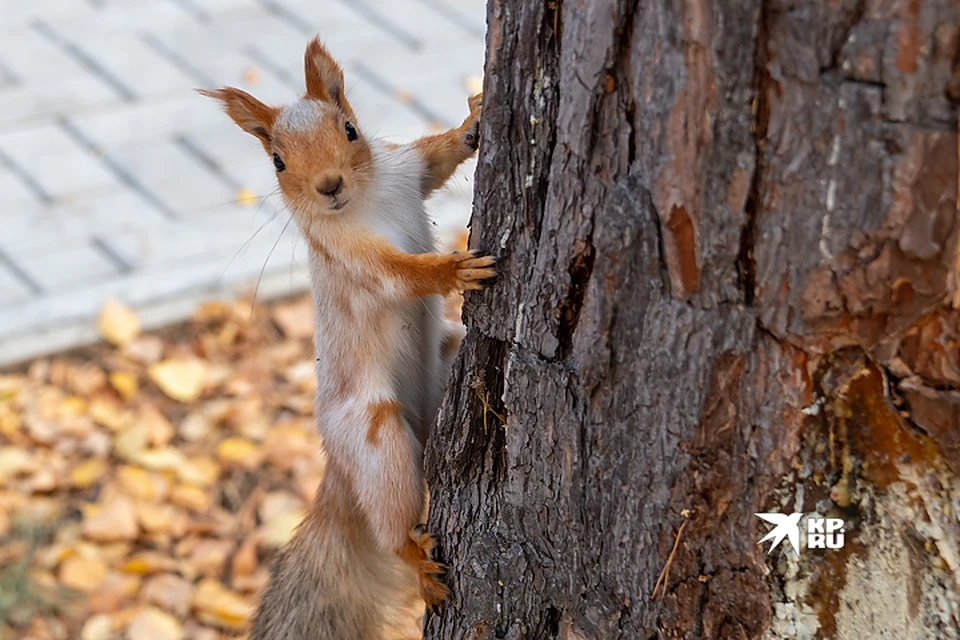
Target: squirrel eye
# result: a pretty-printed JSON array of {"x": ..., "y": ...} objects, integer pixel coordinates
[
  {"x": 351, "y": 132},
  {"x": 278, "y": 163}
]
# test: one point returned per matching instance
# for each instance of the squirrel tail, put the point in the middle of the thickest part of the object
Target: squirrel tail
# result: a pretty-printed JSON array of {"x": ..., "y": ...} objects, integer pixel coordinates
[{"x": 332, "y": 582}]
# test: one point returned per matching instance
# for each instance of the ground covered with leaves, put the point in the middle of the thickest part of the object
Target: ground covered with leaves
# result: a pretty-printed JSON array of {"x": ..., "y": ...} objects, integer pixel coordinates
[{"x": 146, "y": 482}]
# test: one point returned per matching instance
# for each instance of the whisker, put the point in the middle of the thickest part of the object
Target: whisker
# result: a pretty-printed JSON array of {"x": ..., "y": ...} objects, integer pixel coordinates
[
  {"x": 256, "y": 289},
  {"x": 246, "y": 244}
]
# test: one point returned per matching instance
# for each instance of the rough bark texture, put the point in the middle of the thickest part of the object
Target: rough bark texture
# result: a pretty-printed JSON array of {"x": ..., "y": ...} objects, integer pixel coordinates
[{"x": 729, "y": 243}]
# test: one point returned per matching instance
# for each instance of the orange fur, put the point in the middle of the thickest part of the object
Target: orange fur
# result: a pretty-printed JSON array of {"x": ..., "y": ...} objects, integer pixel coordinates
[
  {"x": 380, "y": 413},
  {"x": 418, "y": 554},
  {"x": 444, "y": 152}
]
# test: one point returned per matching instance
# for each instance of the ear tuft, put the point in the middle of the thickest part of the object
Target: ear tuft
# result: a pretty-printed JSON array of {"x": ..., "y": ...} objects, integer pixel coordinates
[
  {"x": 324, "y": 76},
  {"x": 251, "y": 115}
]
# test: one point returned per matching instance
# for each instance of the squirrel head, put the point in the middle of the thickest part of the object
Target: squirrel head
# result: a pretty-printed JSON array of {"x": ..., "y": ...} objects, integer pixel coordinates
[{"x": 322, "y": 160}]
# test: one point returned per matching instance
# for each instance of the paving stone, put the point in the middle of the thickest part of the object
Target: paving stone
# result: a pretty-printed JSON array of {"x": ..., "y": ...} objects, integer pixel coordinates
[
  {"x": 12, "y": 289},
  {"x": 175, "y": 177},
  {"x": 55, "y": 161},
  {"x": 148, "y": 123},
  {"x": 34, "y": 58},
  {"x": 32, "y": 103},
  {"x": 131, "y": 61},
  {"x": 125, "y": 17},
  {"x": 60, "y": 265},
  {"x": 94, "y": 212},
  {"x": 14, "y": 192}
]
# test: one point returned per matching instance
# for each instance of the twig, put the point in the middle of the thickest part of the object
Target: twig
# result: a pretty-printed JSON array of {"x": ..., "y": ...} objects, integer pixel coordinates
[{"x": 665, "y": 573}]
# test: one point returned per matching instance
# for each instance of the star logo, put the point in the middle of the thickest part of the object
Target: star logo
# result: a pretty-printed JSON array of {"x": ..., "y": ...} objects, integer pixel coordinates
[{"x": 786, "y": 526}]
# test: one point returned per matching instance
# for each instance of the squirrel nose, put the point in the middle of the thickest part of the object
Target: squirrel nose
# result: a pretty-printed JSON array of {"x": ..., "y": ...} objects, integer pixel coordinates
[{"x": 330, "y": 185}]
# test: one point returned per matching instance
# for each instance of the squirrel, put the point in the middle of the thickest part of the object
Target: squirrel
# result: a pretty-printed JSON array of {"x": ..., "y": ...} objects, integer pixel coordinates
[{"x": 382, "y": 350}]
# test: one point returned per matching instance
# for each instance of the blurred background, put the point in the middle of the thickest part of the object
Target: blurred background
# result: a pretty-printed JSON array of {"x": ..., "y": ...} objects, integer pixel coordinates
[
  {"x": 116, "y": 179},
  {"x": 157, "y": 443}
]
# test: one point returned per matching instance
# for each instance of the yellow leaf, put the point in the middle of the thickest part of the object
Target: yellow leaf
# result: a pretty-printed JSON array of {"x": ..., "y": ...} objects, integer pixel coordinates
[
  {"x": 125, "y": 383},
  {"x": 180, "y": 379},
  {"x": 141, "y": 484},
  {"x": 14, "y": 461},
  {"x": 295, "y": 319},
  {"x": 87, "y": 473},
  {"x": 202, "y": 472},
  {"x": 279, "y": 530},
  {"x": 196, "y": 426},
  {"x": 246, "y": 197},
  {"x": 83, "y": 573},
  {"x": 107, "y": 412},
  {"x": 72, "y": 407},
  {"x": 161, "y": 518},
  {"x": 154, "y": 624},
  {"x": 190, "y": 497},
  {"x": 131, "y": 442},
  {"x": 218, "y": 606},
  {"x": 98, "y": 627},
  {"x": 164, "y": 459},
  {"x": 119, "y": 325},
  {"x": 239, "y": 452},
  {"x": 147, "y": 562},
  {"x": 112, "y": 522}
]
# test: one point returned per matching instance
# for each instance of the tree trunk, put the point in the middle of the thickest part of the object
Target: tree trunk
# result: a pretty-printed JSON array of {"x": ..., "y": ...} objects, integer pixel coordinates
[{"x": 729, "y": 285}]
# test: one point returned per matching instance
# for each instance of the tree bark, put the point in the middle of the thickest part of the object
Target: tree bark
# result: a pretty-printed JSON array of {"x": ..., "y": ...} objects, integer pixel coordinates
[{"x": 729, "y": 285}]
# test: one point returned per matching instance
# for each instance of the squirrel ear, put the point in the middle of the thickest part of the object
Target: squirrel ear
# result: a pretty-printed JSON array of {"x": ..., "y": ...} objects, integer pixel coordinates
[
  {"x": 251, "y": 115},
  {"x": 324, "y": 76}
]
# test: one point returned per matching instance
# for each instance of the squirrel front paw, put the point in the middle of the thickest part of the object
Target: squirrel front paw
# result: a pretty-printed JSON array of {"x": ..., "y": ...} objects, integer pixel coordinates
[
  {"x": 432, "y": 590},
  {"x": 470, "y": 270},
  {"x": 471, "y": 125}
]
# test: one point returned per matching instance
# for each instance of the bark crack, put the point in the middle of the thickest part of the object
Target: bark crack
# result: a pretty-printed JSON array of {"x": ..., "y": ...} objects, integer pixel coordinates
[{"x": 746, "y": 265}]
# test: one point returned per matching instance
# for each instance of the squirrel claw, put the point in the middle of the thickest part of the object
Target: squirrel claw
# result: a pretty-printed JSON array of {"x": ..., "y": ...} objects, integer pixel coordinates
[{"x": 429, "y": 571}]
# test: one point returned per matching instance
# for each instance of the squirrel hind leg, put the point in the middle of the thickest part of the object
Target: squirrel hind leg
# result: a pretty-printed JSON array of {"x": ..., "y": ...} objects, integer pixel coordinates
[{"x": 418, "y": 553}]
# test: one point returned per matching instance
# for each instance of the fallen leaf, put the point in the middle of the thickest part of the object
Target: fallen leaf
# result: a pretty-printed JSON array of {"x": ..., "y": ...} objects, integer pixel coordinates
[
  {"x": 201, "y": 471},
  {"x": 165, "y": 459},
  {"x": 239, "y": 452},
  {"x": 182, "y": 380},
  {"x": 126, "y": 384},
  {"x": 161, "y": 518},
  {"x": 140, "y": 484},
  {"x": 114, "y": 521},
  {"x": 107, "y": 412},
  {"x": 131, "y": 441},
  {"x": 245, "y": 560},
  {"x": 220, "y": 607},
  {"x": 295, "y": 319},
  {"x": 83, "y": 573},
  {"x": 14, "y": 461},
  {"x": 196, "y": 426},
  {"x": 117, "y": 590},
  {"x": 190, "y": 497},
  {"x": 88, "y": 473},
  {"x": 98, "y": 627},
  {"x": 209, "y": 557},
  {"x": 169, "y": 592},
  {"x": 119, "y": 325},
  {"x": 279, "y": 531},
  {"x": 146, "y": 350},
  {"x": 154, "y": 624}
]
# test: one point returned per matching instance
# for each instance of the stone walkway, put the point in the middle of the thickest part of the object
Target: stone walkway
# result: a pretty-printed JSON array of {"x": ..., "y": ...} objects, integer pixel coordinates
[{"x": 116, "y": 179}]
